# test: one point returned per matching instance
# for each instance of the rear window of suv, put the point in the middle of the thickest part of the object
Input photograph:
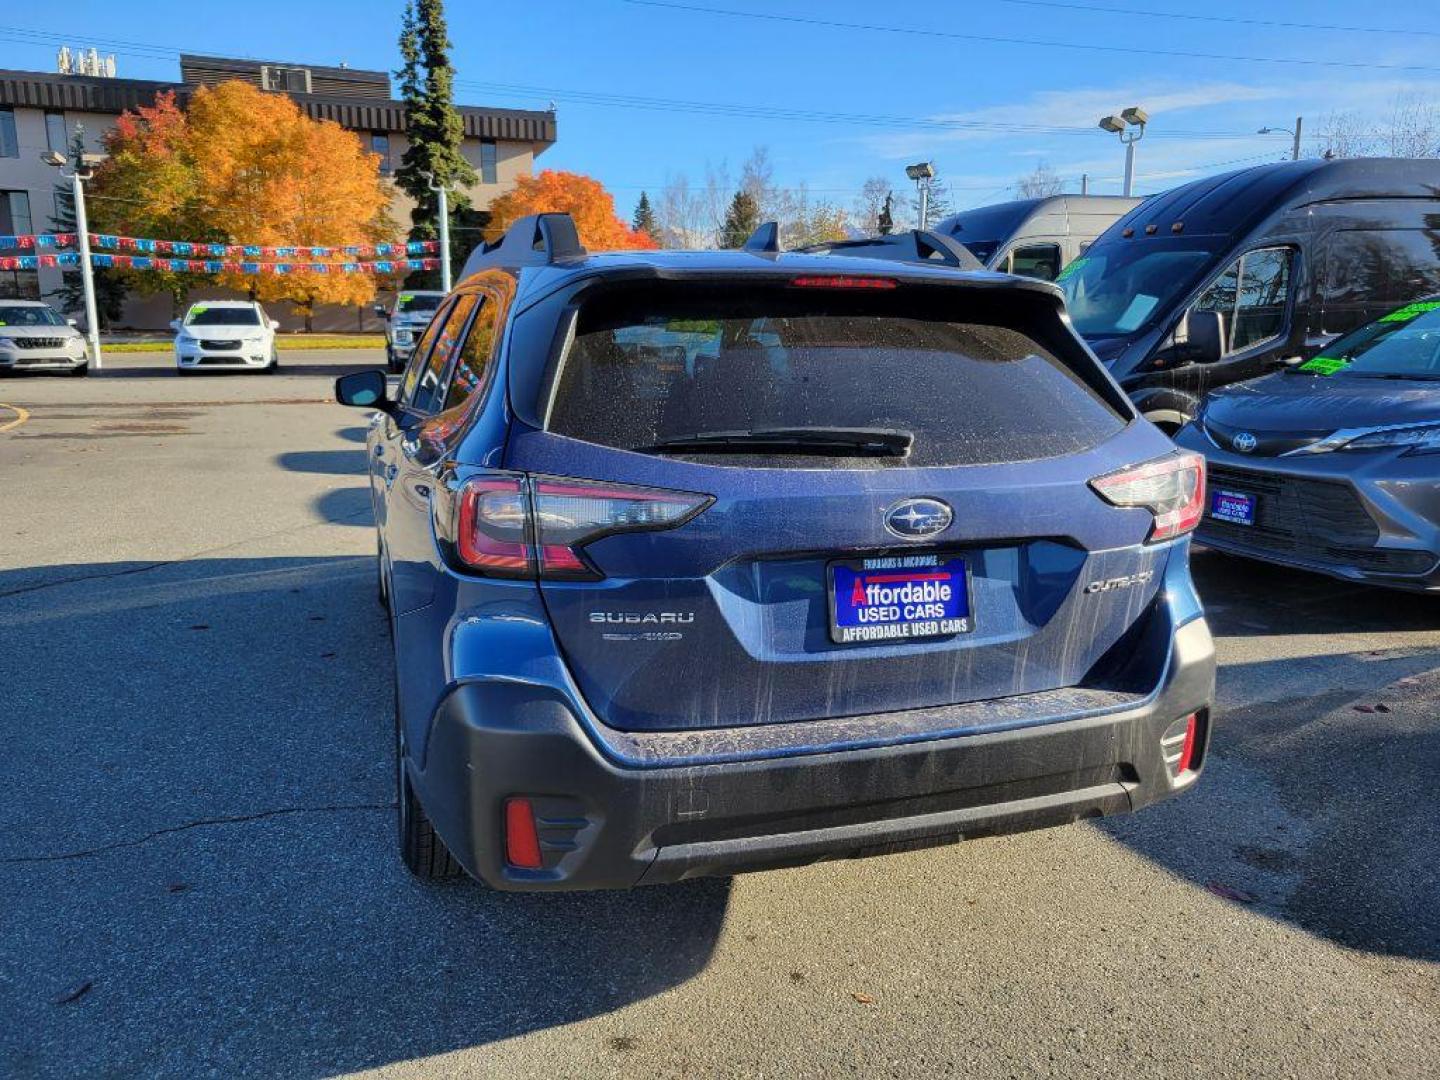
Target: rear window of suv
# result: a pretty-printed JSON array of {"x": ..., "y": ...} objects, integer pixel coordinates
[{"x": 643, "y": 369}]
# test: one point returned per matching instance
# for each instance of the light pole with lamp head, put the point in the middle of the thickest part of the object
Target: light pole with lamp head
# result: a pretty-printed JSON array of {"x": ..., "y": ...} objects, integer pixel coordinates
[
  {"x": 1295, "y": 147},
  {"x": 1132, "y": 118},
  {"x": 79, "y": 172},
  {"x": 443, "y": 212},
  {"x": 922, "y": 173}
]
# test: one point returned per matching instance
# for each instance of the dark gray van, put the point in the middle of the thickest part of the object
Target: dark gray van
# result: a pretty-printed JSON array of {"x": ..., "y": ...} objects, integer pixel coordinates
[
  {"x": 1232, "y": 276},
  {"x": 1035, "y": 237}
]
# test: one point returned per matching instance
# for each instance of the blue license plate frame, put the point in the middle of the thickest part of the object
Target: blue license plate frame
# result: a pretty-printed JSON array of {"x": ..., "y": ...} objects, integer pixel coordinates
[
  {"x": 938, "y": 602},
  {"x": 1234, "y": 507}
]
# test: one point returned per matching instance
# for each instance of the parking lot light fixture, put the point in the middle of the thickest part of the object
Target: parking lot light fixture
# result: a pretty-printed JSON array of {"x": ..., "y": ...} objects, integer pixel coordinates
[
  {"x": 922, "y": 173},
  {"x": 1129, "y": 126}
]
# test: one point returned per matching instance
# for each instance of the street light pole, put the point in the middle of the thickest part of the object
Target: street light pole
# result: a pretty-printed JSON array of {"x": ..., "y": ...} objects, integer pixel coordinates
[
  {"x": 1295, "y": 146},
  {"x": 78, "y": 174},
  {"x": 443, "y": 210},
  {"x": 87, "y": 273}
]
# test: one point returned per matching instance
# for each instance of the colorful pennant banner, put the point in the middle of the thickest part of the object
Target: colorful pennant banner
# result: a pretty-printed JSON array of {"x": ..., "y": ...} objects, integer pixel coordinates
[
  {"x": 216, "y": 266},
  {"x": 106, "y": 242}
]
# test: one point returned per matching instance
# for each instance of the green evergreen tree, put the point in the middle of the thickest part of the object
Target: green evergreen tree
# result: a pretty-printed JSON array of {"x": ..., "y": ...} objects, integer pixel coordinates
[
  {"x": 110, "y": 290},
  {"x": 940, "y": 206},
  {"x": 741, "y": 219},
  {"x": 644, "y": 220},
  {"x": 435, "y": 131}
]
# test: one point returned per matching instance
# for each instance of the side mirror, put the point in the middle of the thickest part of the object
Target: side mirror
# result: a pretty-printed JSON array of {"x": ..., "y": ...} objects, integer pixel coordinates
[
  {"x": 274, "y": 324},
  {"x": 381, "y": 313},
  {"x": 175, "y": 325},
  {"x": 1201, "y": 336},
  {"x": 71, "y": 322},
  {"x": 364, "y": 390}
]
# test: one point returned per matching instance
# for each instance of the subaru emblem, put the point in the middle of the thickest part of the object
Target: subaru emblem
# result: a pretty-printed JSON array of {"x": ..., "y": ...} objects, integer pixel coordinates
[
  {"x": 1244, "y": 442},
  {"x": 915, "y": 519}
]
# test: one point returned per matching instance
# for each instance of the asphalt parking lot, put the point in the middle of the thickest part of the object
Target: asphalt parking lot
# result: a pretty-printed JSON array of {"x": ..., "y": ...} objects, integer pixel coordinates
[{"x": 198, "y": 873}]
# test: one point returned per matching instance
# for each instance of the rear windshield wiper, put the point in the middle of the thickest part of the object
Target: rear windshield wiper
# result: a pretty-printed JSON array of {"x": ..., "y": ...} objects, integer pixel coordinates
[{"x": 829, "y": 442}]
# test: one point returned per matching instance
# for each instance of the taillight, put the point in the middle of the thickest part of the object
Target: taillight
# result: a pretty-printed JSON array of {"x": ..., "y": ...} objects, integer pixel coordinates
[
  {"x": 493, "y": 531},
  {"x": 516, "y": 526},
  {"x": 1172, "y": 488},
  {"x": 842, "y": 281}
]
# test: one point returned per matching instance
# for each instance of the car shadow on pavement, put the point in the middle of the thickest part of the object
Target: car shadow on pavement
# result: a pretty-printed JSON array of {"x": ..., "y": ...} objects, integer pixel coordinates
[
  {"x": 198, "y": 864},
  {"x": 1300, "y": 602},
  {"x": 324, "y": 462},
  {"x": 1317, "y": 803}
]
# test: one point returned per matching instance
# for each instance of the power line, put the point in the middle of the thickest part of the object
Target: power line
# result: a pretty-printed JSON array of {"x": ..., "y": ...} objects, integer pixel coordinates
[
  {"x": 878, "y": 28},
  {"x": 770, "y": 112},
  {"x": 1233, "y": 20}
]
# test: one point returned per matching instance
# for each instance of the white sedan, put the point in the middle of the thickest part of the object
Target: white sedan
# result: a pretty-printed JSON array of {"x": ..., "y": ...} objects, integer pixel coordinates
[{"x": 225, "y": 334}]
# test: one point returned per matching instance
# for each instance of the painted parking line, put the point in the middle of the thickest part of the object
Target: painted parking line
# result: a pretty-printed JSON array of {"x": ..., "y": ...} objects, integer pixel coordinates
[{"x": 21, "y": 415}]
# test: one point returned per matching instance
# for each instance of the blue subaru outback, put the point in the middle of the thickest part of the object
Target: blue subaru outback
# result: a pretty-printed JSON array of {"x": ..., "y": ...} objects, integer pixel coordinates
[{"x": 703, "y": 562}]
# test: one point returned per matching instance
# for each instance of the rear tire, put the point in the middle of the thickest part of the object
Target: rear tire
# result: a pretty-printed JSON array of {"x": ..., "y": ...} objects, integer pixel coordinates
[{"x": 424, "y": 853}]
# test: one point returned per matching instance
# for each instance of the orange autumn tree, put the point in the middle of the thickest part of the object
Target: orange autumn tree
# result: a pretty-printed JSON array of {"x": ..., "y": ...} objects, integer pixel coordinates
[
  {"x": 244, "y": 166},
  {"x": 583, "y": 198}
]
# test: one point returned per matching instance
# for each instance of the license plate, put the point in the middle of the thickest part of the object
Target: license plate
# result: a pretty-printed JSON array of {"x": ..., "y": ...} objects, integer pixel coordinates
[
  {"x": 899, "y": 598},
  {"x": 1233, "y": 506}
]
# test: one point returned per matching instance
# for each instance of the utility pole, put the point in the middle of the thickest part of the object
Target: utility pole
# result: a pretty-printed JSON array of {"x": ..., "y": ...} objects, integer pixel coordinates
[
  {"x": 1084, "y": 183},
  {"x": 443, "y": 209},
  {"x": 1299, "y": 122}
]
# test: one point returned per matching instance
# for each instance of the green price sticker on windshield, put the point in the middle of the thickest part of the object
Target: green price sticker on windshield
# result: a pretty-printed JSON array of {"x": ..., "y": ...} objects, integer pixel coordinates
[
  {"x": 1325, "y": 365},
  {"x": 1411, "y": 311},
  {"x": 406, "y": 297},
  {"x": 1071, "y": 268}
]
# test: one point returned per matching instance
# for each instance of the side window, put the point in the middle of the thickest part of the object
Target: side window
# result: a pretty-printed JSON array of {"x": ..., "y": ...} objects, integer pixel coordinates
[
  {"x": 1251, "y": 293},
  {"x": 473, "y": 364},
  {"x": 1036, "y": 260},
  {"x": 429, "y": 382},
  {"x": 1369, "y": 272},
  {"x": 421, "y": 354}
]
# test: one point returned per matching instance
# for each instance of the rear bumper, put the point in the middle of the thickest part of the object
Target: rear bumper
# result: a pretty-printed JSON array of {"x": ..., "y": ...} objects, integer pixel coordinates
[{"x": 604, "y": 824}]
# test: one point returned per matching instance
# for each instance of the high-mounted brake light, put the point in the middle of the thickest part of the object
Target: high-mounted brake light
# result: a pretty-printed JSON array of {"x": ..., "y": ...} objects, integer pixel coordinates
[
  {"x": 842, "y": 281},
  {"x": 517, "y": 526},
  {"x": 1172, "y": 488}
]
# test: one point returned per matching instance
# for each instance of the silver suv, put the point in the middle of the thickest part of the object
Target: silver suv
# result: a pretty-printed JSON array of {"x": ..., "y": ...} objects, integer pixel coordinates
[{"x": 405, "y": 322}]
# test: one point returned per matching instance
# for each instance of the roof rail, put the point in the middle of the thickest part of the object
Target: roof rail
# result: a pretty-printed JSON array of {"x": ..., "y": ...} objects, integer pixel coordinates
[
  {"x": 535, "y": 240},
  {"x": 765, "y": 240},
  {"x": 914, "y": 245}
]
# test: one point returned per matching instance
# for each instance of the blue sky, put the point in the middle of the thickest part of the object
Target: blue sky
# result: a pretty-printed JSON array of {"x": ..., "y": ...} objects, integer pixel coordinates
[{"x": 835, "y": 105}]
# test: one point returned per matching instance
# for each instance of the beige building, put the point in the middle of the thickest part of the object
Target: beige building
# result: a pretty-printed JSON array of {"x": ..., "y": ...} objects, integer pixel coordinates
[{"x": 39, "y": 113}]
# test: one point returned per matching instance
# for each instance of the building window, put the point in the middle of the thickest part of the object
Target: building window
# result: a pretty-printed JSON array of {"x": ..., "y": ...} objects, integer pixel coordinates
[
  {"x": 15, "y": 213},
  {"x": 9, "y": 144},
  {"x": 55, "y": 135},
  {"x": 380, "y": 144},
  {"x": 487, "y": 161},
  {"x": 290, "y": 80}
]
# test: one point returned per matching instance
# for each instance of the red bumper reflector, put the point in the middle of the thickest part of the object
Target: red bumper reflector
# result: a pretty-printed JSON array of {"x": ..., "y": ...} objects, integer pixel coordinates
[
  {"x": 522, "y": 842},
  {"x": 1187, "y": 752}
]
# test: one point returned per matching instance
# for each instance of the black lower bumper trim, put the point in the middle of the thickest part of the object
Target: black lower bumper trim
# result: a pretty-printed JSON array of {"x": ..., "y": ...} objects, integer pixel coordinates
[{"x": 604, "y": 825}]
